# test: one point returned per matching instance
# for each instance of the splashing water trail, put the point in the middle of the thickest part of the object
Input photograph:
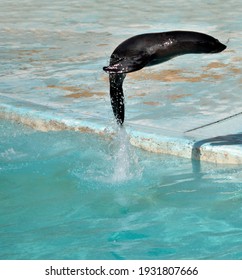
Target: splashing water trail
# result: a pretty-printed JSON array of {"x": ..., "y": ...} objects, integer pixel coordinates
[
  {"x": 126, "y": 165},
  {"x": 116, "y": 163}
]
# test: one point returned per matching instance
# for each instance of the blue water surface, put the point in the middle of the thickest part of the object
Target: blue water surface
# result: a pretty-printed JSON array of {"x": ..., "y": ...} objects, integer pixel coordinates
[{"x": 69, "y": 195}]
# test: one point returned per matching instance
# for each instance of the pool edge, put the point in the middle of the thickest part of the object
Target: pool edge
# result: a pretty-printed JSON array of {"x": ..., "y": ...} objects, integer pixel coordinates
[{"x": 151, "y": 139}]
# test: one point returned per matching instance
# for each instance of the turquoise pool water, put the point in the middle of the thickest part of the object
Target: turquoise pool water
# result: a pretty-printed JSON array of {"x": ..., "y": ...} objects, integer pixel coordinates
[{"x": 68, "y": 195}]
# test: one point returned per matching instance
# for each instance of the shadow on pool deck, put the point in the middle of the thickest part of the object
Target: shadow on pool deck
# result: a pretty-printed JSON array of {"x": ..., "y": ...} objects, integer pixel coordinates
[
  {"x": 231, "y": 139},
  {"x": 228, "y": 140}
]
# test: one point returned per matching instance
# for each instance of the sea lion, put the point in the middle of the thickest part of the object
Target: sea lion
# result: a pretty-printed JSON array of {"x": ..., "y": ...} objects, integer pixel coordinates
[{"x": 150, "y": 49}]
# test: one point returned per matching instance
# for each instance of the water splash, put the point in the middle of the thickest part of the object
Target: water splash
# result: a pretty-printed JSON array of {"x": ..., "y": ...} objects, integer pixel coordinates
[
  {"x": 106, "y": 163},
  {"x": 126, "y": 163}
]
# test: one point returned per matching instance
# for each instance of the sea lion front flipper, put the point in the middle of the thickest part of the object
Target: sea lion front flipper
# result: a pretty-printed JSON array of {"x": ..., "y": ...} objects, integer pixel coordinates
[
  {"x": 128, "y": 64},
  {"x": 117, "y": 96}
]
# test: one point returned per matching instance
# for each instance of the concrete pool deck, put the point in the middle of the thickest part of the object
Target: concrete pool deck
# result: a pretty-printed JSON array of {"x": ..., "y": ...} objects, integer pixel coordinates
[
  {"x": 51, "y": 77},
  {"x": 189, "y": 124}
]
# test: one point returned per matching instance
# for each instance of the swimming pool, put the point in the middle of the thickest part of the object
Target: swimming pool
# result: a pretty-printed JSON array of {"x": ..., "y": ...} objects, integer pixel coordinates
[
  {"x": 52, "y": 55},
  {"x": 69, "y": 195},
  {"x": 72, "y": 195}
]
